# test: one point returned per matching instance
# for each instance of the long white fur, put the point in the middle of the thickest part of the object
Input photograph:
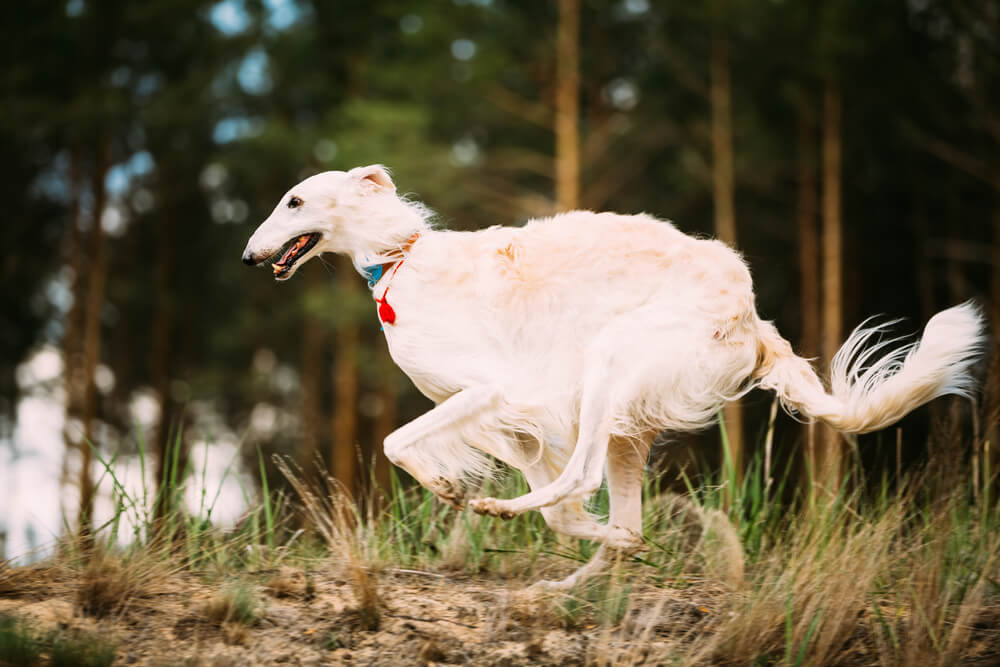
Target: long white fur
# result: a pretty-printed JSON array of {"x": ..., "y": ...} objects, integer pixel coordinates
[{"x": 544, "y": 343}]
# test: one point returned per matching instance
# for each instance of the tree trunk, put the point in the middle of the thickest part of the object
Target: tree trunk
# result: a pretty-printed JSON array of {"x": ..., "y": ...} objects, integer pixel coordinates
[
  {"x": 385, "y": 421},
  {"x": 568, "y": 106},
  {"x": 92, "y": 332},
  {"x": 806, "y": 216},
  {"x": 160, "y": 356},
  {"x": 75, "y": 255},
  {"x": 312, "y": 379},
  {"x": 828, "y": 466},
  {"x": 808, "y": 234},
  {"x": 343, "y": 458},
  {"x": 991, "y": 396},
  {"x": 724, "y": 206},
  {"x": 722, "y": 141}
]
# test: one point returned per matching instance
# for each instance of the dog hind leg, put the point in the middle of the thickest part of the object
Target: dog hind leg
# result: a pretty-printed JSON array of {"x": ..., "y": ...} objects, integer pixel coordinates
[
  {"x": 585, "y": 469},
  {"x": 609, "y": 372},
  {"x": 568, "y": 517},
  {"x": 622, "y": 536}
]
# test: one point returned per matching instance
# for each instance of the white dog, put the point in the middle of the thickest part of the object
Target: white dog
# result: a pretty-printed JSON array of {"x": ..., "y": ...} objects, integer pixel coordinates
[{"x": 564, "y": 346}]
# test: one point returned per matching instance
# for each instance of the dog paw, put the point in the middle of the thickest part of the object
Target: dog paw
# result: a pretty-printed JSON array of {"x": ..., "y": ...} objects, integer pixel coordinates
[
  {"x": 491, "y": 507},
  {"x": 624, "y": 539},
  {"x": 449, "y": 491}
]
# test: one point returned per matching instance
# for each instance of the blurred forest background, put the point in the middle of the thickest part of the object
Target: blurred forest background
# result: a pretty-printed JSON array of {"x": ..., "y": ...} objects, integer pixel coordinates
[{"x": 850, "y": 149}]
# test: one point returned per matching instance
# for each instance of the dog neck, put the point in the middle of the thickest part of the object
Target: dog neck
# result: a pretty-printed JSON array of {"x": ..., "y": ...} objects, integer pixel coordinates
[
  {"x": 386, "y": 234},
  {"x": 374, "y": 272}
]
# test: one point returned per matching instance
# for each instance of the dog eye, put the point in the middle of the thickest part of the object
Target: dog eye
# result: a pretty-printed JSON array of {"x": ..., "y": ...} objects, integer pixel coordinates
[{"x": 294, "y": 202}]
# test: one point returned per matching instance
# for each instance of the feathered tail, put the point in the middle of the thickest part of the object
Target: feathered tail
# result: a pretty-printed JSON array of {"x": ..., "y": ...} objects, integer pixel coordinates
[{"x": 867, "y": 394}]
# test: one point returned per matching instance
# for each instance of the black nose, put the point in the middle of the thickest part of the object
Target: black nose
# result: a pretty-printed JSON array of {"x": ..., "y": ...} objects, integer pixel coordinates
[{"x": 248, "y": 259}]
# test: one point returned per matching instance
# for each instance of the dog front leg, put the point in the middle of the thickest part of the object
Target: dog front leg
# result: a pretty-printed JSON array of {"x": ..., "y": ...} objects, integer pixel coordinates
[{"x": 429, "y": 464}]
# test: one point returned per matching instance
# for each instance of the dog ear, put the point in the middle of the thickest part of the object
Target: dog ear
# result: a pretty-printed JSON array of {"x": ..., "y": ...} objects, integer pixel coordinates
[{"x": 374, "y": 177}]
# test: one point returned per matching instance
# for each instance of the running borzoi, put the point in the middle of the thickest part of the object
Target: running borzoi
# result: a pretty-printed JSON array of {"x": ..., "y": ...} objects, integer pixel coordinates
[{"x": 564, "y": 346}]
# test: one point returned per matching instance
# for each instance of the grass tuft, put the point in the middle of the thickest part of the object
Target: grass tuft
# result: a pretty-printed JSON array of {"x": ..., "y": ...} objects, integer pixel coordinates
[
  {"x": 290, "y": 582},
  {"x": 236, "y": 603},
  {"x": 20, "y": 645},
  {"x": 79, "y": 649},
  {"x": 106, "y": 586},
  {"x": 341, "y": 524}
]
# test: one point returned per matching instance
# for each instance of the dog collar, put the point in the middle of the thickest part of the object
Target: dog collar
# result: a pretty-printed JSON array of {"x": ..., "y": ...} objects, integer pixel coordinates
[
  {"x": 386, "y": 314},
  {"x": 375, "y": 272}
]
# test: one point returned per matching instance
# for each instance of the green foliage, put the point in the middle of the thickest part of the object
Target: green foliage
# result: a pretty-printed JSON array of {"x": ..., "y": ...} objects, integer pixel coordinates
[
  {"x": 911, "y": 570},
  {"x": 158, "y": 520},
  {"x": 80, "y": 650},
  {"x": 225, "y": 121},
  {"x": 20, "y": 645}
]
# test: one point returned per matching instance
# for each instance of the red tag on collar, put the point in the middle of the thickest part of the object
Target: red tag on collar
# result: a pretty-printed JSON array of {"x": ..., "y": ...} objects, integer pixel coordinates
[{"x": 385, "y": 312}]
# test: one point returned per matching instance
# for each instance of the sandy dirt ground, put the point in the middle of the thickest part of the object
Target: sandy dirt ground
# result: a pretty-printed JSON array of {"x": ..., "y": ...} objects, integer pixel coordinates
[
  {"x": 164, "y": 618},
  {"x": 424, "y": 618}
]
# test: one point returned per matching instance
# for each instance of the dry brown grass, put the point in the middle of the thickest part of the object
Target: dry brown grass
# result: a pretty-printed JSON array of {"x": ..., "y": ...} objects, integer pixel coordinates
[
  {"x": 288, "y": 582},
  {"x": 945, "y": 607},
  {"x": 705, "y": 537},
  {"x": 335, "y": 515},
  {"x": 24, "y": 582},
  {"x": 890, "y": 588},
  {"x": 235, "y": 603},
  {"x": 807, "y": 594},
  {"x": 900, "y": 579},
  {"x": 108, "y": 583}
]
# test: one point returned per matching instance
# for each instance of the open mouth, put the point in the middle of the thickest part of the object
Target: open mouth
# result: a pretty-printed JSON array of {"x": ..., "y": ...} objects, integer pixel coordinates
[{"x": 294, "y": 251}]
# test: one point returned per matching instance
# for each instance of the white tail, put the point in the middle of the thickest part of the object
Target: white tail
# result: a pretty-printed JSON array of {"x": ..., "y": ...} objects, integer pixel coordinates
[{"x": 866, "y": 394}]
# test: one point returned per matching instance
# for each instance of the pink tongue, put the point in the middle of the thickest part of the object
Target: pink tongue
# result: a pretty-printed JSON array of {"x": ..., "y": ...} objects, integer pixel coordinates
[{"x": 292, "y": 250}]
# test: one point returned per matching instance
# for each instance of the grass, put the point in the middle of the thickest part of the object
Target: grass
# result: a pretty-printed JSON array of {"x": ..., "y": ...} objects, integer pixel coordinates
[
  {"x": 21, "y": 645},
  {"x": 79, "y": 650},
  {"x": 18, "y": 645},
  {"x": 235, "y": 603},
  {"x": 735, "y": 571}
]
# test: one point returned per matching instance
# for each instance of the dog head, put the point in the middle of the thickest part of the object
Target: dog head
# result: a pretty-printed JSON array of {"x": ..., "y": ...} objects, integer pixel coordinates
[{"x": 335, "y": 211}]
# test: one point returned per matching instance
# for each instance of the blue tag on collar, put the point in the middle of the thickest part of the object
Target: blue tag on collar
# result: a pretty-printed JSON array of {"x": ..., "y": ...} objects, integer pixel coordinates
[{"x": 374, "y": 273}]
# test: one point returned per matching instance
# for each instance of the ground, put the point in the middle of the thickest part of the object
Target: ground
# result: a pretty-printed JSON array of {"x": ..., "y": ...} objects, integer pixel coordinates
[
  {"x": 904, "y": 579},
  {"x": 313, "y": 619}
]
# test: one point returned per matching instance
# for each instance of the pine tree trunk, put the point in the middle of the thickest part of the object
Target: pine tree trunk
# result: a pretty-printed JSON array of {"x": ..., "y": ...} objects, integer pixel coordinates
[
  {"x": 724, "y": 205},
  {"x": 385, "y": 421},
  {"x": 991, "y": 396},
  {"x": 995, "y": 288},
  {"x": 568, "y": 106},
  {"x": 722, "y": 141},
  {"x": 312, "y": 379},
  {"x": 160, "y": 356},
  {"x": 343, "y": 457},
  {"x": 92, "y": 333},
  {"x": 808, "y": 229},
  {"x": 71, "y": 351},
  {"x": 828, "y": 467},
  {"x": 808, "y": 234}
]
